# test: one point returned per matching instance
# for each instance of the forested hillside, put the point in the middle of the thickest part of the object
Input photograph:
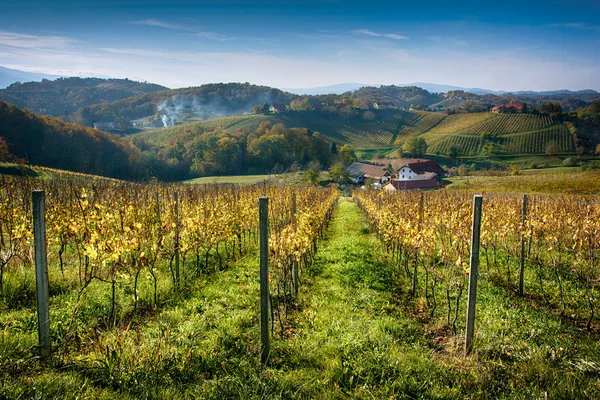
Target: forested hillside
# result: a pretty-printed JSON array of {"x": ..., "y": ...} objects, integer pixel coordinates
[
  {"x": 402, "y": 96},
  {"x": 51, "y": 142},
  {"x": 203, "y": 102},
  {"x": 64, "y": 96},
  {"x": 186, "y": 153}
]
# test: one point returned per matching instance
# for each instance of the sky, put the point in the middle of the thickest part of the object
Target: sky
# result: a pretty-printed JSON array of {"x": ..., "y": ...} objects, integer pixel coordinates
[{"x": 499, "y": 45}]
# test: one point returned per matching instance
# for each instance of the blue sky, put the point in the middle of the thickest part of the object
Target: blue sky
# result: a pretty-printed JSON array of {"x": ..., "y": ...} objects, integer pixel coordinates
[{"x": 509, "y": 45}]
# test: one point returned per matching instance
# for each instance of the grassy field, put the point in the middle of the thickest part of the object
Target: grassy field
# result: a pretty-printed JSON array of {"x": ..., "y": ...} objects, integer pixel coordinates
[
  {"x": 287, "y": 179},
  {"x": 237, "y": 179},
  {"x": 553, "y": 180},
  {"x": 354, "y": 334}
]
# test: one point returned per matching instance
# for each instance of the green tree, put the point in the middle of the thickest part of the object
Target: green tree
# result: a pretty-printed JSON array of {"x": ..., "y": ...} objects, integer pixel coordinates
[
  {"x": 346, "y": 154},
  {"x": 333, "y": 148},
  {"x": 416, "y": 146},
  {"x": 338, "y": 173},
  {"x": 313, "y": 173},
  {"x": 257, "y": 109},
  {"x": 265, "y": 108}
]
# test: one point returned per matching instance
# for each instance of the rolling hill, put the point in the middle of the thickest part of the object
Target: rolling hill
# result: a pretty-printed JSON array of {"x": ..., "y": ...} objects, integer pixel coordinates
[
  {"x": 203, "y": 102},
  {"x": 51, "y": 142},
  {"x": 473, "y": 134},
  {"x": 64, "y": 96}
]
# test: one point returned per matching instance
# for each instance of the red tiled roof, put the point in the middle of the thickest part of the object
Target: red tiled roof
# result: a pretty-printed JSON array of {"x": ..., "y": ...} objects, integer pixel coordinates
[
  {"x": 420, "y": 166},
  {"x": 420, "y": 184}
]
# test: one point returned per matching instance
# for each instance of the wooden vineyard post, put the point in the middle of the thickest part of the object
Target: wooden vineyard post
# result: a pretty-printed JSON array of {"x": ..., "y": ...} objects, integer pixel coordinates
[
  {"x": 379, "y": 203},
  {"x": 522, "y": 258},
  {"x": 41, "y": 271},
  {"x": 263, "y": 211},
  {"x": 295, "y": 263},
  {"x": 176, "y": 211},
  {"x": 416, "y": 270},
  {"x": 473, "y": 274}
]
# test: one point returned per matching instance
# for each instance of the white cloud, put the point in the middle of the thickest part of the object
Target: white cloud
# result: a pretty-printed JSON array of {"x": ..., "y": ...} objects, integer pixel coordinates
[
  {"x": 21, "y": 40},
  {"x": 162, "y": 24},
  {"x": 215, "y": 36},
  {"x": 369, "y": 61},
  {"x": 369, "y": 32},
  {"x": 576, "y": 25}
]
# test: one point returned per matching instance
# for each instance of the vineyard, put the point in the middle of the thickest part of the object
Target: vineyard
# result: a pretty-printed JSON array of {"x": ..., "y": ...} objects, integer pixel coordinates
[
  {"x": 557, "y": 243},
  {"x": 154, "y": 292},
  {"x": 118, "y": 252},
  {"x": 507, "y": 133}
]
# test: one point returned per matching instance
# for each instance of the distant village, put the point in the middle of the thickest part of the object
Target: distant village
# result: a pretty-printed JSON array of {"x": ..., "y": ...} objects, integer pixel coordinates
[{"x": 398, "y": 174}]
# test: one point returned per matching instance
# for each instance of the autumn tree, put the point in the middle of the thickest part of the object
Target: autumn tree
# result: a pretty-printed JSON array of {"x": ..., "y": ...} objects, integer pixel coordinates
[
  {"x": 338, "y": 173},
  {"x": 4, "y": 154},
  {"x": 416, "y": 146},
  {"x": 313, "y": 173}
]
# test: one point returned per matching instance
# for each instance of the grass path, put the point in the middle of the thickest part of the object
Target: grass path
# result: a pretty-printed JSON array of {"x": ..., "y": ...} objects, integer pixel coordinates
[{"x": 351, "y": 339}]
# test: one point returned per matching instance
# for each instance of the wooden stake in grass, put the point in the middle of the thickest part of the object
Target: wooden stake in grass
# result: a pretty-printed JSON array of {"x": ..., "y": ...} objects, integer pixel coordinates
[
  {"x": 176, "y": 211},
  {"x": 416, "y": 269},
  {"x": 473, "y": 274},
  {"x": 522, "y": 258},
  {"x": 263, "y": 211},
  {"x": 41, "y": 272},
  {"x": 295, "y": 263}
]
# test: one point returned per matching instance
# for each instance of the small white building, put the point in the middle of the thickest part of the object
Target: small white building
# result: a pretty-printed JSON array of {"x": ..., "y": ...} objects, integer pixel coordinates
[
  {"x": 381, "y": 105},
  {"x": 277, "y": 107}
]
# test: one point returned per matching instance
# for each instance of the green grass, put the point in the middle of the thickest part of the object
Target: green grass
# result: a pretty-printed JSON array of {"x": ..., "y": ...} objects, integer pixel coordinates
[
  {"x": 354, "y": 334},
  {"x": 237, "y": 179},
  {"x": 287, "y": 179}
]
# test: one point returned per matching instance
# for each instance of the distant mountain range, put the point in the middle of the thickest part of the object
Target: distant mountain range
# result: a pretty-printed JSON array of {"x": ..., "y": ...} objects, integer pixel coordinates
[
  {"x": 430, "y": 87},
  {"x": 9, "y": 76}
]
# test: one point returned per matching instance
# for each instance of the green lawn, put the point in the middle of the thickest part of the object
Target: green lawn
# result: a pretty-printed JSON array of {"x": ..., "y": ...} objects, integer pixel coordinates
[{"x": 237, "y": 179}]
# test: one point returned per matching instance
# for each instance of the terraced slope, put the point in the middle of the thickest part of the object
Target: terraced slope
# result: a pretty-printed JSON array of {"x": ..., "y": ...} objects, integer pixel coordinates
[
  {"x": 361, "y": 129},
  {"x": 508, "y": 133}
]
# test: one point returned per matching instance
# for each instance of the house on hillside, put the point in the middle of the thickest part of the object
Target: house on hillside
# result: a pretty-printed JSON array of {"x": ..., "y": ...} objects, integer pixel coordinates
[
  {"x": 277, "y": 107},
  {"x": 318, "y": 107},
  {"x": 511, "y": 108},
  {"x": 360, "y": 172},
  {"x": 381, "y": 105},
  {"x": 418, "y": 169}
]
